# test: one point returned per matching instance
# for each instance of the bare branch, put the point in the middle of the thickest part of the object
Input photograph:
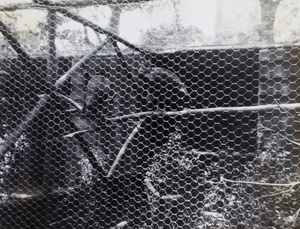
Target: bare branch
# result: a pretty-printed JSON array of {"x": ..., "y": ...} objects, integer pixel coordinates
[
  {"x": 72, "y": 110},
  {"x": 14, "y": 43},
  {"x": 294, "y": 217},
  {"x": 15, "y": 135},
  {"x": 3, "y": 195},
  {"x": 77, "y": 132},
  {"x": 120, "y": 225},
  {"x": 213, "y": 214},
  {"x": 98, "y": 29},
  {"x": 205, "y": 153},
  {"x": 281, "y": 135},
  {"x": 171, "y": 197},
  {"x": 5, "y": 31},
  {"x": 151, "y": 187},
  {"x": 287, "y": 111},
  {"x": 39, "y": 194},
  {"x": 279, "y": 193},
  {"x": 207, "y": 110},
  {"x": 24, "y": 195},
  {"x": 74, "y": 103},
  {"x": 123, "y": 149},
  {"x": 263, "y": 184}
]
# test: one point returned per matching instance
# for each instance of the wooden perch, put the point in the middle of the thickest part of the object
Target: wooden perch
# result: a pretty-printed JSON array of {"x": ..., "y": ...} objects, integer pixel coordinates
[
  {"x": 206, "y": 110},
  {"x": 28, "y": 121}
]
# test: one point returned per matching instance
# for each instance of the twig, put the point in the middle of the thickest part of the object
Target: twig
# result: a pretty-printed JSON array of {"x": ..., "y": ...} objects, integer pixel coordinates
[
  {"x": 98, "y": 128},
  {"x": 24, "y": 195},
  {"x": 29, "y": 195},
  {"x": 151, "y": 187},
  {"x": 281, "y": 135},
  {"x": 278, "y": 193},
  {"x": 294, "y": 217},
  {"x": 213, "y": 214},
  {"x": 71, "y": 110},
  {"x": 77, "y": 132},
  {"x": 123, "y": 149},
  {"x": 171, "y": 197},
  {"x": 207, "y": 110},
  {"x": 120, "y": 225},
  {"x": 3, "y": 195},
  {"x": 287, "y": 111},
  {"x": 259, "y": 183},
  {"x": 205, "y": 153},
  {"x": 74, "y": 103}
]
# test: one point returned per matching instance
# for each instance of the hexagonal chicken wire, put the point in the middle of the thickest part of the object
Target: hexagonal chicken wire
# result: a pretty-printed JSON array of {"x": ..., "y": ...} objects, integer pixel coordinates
[{"x": 149, "y": 114}]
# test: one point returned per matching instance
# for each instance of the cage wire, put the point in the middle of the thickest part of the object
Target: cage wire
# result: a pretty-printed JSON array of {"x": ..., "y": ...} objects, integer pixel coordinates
[{"x": 149, "y": 114}]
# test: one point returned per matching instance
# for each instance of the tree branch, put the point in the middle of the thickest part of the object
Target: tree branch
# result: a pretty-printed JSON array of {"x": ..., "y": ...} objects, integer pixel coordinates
[
  {"x": 13, "y": 42},
  {"x": 28, "y": 121},
  {"x": 74, "y": 103},
  {"x": 171, "y": 197},
  {"x": 264, "y": 184},
  {"x": 99, "y": 29},
  {"x": 71, "y": 135},
  {"x": 206, "y": 110},
  {"x": 278, "y": 193},
  {"x": 294, "y": 217},
  {"x": 281, "y": 135},
  {"x": 124, "y": 147},
  {"x": 120, "y": 225},
  {"x": 151, "y": 187}
]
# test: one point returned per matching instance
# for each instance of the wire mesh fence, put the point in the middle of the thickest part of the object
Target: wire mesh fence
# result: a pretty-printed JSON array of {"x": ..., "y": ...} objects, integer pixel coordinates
[{"x": 128, "y": 114}]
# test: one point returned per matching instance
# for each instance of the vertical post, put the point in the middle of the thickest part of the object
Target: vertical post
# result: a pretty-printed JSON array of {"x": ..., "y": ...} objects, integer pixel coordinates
[
  {"x": 116, "y": 141},
  {"x": 278, "y": 82},
  {"x": 268, "y": 13},
  {"x": 218, "y": 21},
  {"x": 52, "y": 62}
]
